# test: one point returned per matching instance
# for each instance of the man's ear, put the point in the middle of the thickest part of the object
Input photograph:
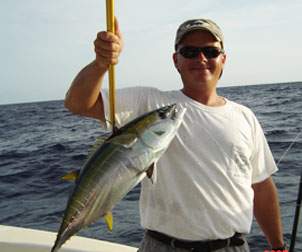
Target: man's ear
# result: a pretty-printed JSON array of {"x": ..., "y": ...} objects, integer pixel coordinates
[
  {"x": 175, "y": 61},
  {"x": 223, "y": 62},
  {"x": 224, "y": 58}
]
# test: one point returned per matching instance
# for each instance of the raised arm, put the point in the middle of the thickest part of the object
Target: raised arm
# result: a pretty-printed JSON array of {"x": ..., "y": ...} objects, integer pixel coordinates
[{"x": 84, "y": 97}]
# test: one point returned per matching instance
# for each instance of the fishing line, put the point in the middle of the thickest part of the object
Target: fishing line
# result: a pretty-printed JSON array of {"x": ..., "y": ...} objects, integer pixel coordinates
[
  {"x": 289, "y": 147},
  {"x": 298, "y": 203},
  {"x": 296, "y": 217}
]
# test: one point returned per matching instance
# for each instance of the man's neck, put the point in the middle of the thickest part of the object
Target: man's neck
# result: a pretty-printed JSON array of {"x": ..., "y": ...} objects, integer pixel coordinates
[{"x": 206, "y": 97}]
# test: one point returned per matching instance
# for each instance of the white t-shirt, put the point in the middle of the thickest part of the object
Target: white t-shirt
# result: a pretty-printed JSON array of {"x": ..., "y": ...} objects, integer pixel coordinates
[{"x": 202, "y": 188}]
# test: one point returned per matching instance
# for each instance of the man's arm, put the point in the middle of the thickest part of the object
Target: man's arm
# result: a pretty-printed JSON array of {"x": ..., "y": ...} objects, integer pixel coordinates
[
  {"x": 267, "y": 211},
  {"x": 83, "y": 96}
]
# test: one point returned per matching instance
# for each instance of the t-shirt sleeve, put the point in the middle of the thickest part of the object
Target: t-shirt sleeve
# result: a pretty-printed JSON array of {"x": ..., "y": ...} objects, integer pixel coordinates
[
  {"x": 262, "y": 159},
  {"x": 129, "y": 103}
]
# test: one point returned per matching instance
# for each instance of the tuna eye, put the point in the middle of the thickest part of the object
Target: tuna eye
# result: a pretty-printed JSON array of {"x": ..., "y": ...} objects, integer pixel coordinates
[
  {"x": 166, "y": 111},
  {"x": 163, "y": 114}
]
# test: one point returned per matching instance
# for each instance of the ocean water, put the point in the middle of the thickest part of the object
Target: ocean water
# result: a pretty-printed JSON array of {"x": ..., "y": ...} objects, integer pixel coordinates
[{"x": 40, "y": 142}]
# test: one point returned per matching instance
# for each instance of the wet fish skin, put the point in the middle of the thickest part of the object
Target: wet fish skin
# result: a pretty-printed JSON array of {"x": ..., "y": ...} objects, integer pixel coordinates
[{"x": 119, "y": 164}]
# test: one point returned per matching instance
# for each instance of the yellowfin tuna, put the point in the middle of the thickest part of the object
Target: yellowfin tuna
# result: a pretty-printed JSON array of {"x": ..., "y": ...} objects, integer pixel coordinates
[{"x": 114, "y": 168}]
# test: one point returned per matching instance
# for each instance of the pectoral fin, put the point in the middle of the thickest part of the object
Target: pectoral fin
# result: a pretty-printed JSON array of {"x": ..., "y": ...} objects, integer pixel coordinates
[
  {"x": 71, "y": 176},
  {"x": 109, "y": 220},
  {"x": 150, "y": 173}
]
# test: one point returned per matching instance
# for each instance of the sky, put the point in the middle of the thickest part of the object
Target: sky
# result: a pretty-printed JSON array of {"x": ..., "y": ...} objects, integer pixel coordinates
[{"x": 44, "y": 44}]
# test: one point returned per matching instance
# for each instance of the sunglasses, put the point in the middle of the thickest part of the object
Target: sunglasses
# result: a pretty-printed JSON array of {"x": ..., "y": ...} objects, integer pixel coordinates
[{"x": 191, "y": 52}]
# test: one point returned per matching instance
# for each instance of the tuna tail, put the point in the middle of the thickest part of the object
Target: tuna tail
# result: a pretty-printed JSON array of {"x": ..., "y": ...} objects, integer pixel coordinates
[
  {"x": 63, "y": 236},
  {"x": 56, "y": 247},
  {"x": 58, "y": 243}
]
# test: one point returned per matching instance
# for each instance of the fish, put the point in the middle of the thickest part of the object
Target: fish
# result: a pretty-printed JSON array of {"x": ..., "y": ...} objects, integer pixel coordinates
[{"x": 121, "y": 162}]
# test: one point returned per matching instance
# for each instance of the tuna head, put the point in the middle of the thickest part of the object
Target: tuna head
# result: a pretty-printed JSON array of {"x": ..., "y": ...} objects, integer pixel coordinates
[{"x": 158, "y": 127}]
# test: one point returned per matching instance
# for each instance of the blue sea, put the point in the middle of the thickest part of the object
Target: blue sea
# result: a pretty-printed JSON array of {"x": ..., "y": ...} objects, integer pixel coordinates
[{"x": 40, "y": 142}]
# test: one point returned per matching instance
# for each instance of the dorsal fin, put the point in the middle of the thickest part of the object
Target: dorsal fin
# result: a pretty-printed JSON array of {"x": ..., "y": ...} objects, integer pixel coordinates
[
  {"x": 72, "y": 176},
  {"x": 99, "y": 141}
]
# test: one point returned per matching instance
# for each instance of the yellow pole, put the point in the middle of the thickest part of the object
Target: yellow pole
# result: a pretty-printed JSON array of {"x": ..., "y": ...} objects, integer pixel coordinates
[{"x": 111, "y": 28}]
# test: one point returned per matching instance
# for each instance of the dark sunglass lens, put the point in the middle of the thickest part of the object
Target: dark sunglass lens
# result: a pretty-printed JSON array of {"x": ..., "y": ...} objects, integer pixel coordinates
[
  {"x": 211, "y": 52},
  {"x": 189, "y": 52}
]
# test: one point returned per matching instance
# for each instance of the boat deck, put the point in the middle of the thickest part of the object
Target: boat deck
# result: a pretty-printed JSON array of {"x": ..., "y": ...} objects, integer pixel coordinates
[{"x": 16, "y": 239}]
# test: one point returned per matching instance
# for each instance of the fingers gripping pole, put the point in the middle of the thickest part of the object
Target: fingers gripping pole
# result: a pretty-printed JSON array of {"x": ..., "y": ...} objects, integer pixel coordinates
[{"x": 111, "y": 28}]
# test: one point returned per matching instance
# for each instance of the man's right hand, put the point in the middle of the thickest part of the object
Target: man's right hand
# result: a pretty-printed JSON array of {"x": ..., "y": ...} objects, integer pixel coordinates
[
  {"x": 83, "y": 96},
  {"x": 108, "y": 47}
]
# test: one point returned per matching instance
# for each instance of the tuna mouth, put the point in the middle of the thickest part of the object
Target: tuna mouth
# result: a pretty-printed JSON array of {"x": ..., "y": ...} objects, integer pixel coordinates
[
  {"x": 178, "y": 113},
  {"x": 166, "y": 111},
  {"x": 173, "y": 112}
]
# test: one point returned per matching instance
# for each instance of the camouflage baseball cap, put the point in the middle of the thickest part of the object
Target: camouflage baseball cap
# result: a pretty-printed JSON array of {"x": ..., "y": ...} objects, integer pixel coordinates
[{"x": 198, "y": 24}]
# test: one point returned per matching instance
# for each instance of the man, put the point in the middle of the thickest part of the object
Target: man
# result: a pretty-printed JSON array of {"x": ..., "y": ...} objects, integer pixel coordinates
[{"x": 216, "y": 172}]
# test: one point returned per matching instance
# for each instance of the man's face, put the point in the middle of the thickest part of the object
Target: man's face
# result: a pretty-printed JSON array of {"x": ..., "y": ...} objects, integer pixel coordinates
[{"x": 199, "y": 70}]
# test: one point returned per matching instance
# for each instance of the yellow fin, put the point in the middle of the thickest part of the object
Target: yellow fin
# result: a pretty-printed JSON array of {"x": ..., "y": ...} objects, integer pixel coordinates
[
  {"x": 99, "y": 141},
  {"x": 71, "y": 176},
  {"x": 109, "y": 220}
]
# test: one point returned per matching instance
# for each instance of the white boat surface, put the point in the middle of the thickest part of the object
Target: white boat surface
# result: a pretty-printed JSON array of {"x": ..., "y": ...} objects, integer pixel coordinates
[{"x": 17, "y": 239}]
